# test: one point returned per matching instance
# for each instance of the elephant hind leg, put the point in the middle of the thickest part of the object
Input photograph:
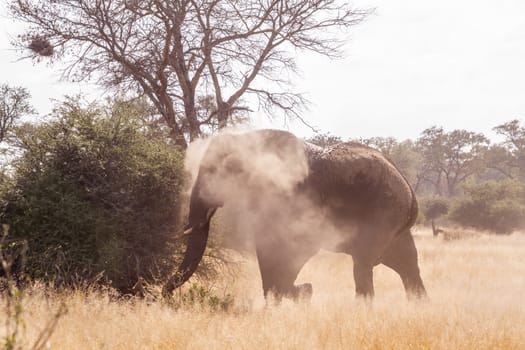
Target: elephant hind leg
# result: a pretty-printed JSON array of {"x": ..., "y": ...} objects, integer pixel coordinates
[
  {"x": 401, "y": 256},
  {"x": 365, "y": 248}
]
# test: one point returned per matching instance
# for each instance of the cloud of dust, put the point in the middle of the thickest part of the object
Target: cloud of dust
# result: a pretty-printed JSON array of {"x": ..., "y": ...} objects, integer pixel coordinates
[
  {"x": 193, "y": 158},
  {"x": 258, "y": 176}
]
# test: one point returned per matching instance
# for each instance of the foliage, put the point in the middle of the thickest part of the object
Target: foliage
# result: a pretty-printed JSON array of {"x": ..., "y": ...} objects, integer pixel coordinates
[
  {"x": 324, "y": 140},
  {"x": 509, "y": 156},
  {"x": 500, "y": 165},
  {"x": 178, "y": 52},
  {"x": 13, "y": 304},
  {"x": 6, "y": 185},
  {"x": 493, "y": 206},
  {"x": 14, "y": 104},
  {"x": 384, "y": 144},
  {"x": 95, "y": 197},
  {"x": 450, "y": 156},
  {"x": 434, "y": 208},
  {"x": 12, "y": 253}
]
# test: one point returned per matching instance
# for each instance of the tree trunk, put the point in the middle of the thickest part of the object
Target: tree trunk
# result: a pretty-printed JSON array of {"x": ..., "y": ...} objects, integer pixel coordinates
[
  {"x": 223, "y": 114},
  {"x": 191, "y": 116},
  {"x": 435, "y": 230}
]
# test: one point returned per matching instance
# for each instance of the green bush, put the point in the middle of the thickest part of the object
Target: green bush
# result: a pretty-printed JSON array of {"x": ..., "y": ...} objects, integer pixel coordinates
[
  {"x": 94, "y": 196},
  {"x": 493, "y": 206},
  {"x": 434, "y": 208}
]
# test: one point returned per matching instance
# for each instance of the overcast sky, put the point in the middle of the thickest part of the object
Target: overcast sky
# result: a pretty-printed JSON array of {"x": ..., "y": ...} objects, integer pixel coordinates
[{"x": 411, "y": 65}]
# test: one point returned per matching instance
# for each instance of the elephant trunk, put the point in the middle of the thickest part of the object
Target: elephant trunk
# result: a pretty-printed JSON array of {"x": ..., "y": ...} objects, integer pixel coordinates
[
  {"x": 197, "y": 232},
  {"x": 195, "y": 250}
]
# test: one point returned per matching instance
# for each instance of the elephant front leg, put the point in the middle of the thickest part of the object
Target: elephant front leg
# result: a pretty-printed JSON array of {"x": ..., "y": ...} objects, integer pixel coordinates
[
  {"x": 280, "y": 263},
  {"x": 364, "y": 279}
]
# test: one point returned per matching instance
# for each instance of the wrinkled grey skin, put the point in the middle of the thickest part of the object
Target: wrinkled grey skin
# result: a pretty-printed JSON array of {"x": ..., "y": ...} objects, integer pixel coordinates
[{"x": 354, "y": 186}]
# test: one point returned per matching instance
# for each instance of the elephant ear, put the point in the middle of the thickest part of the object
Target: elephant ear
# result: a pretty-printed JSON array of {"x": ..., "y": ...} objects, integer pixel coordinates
[
  {"x": 187, "y": 230},
  {"x": 233, "y": 164}
]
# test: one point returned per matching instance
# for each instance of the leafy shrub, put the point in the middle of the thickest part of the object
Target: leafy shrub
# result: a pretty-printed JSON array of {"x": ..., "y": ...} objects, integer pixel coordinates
[
  {"x": 434, "y": 208},
  {"x": 13, "y": 293},
  {"x": 94, "y": 195},
  {"x": 493, "y": 206}
]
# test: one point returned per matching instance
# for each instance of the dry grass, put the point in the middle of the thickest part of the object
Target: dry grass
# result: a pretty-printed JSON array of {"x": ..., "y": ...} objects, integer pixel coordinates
[{"x": 476, "y": 288}]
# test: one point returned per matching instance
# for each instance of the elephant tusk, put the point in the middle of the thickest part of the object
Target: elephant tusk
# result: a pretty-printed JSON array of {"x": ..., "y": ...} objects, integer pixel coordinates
[{"x": 209, "y": 214}]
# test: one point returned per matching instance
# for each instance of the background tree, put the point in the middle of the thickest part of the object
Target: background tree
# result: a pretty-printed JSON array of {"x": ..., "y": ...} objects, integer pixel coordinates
[
  {"x": 176, "y": 52},
  {"x": 464, "y": 157},
  {"x": 14, "y": 104},
  {"x": 509, "y": 156},
  {"x": 94, "y": 195},
  {"x": 500, "y": 163},
  {"x": 431, "y": 147},
  {"x": 451, "y": 157},
  {"x": 384, "y": 144},
  {"x": 324, "y": 140}
]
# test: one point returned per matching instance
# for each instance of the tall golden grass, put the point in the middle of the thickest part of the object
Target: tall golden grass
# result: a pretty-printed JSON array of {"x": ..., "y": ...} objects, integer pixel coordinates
[{"x": 476, "y": 300}]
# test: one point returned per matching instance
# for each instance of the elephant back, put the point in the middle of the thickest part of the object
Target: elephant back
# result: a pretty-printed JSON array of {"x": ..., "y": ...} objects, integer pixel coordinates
[{"x": 354, "y": 176}]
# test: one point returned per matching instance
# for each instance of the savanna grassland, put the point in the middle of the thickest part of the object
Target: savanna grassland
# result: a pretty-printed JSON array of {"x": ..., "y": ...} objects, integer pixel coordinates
[{"x": 476, "y": 286}]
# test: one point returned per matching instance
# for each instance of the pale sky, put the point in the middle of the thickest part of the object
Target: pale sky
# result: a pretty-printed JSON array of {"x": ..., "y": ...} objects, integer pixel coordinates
[{"x": 413, "y": 64}]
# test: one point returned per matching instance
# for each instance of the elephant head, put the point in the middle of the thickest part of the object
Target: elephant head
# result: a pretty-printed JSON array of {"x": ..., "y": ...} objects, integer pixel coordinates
[{"x": 236, "y": 168}]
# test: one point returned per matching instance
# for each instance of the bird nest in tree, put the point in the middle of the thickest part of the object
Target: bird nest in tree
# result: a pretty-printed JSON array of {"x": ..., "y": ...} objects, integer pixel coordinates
[{"x": 41, "y": 46}]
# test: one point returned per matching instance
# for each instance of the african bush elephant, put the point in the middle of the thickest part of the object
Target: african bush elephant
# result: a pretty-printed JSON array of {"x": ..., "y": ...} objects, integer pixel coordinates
[{"x": 297, "y": 198}]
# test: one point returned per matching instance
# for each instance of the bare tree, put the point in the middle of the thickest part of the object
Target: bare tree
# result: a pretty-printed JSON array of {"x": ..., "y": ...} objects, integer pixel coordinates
[
  {"x": 14, "y": 103},
  {"x": 178, "y": 51}
]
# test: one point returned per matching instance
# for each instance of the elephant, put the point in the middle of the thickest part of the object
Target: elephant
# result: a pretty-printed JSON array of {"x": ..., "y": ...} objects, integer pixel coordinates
[{"x": 296, "y": 199}]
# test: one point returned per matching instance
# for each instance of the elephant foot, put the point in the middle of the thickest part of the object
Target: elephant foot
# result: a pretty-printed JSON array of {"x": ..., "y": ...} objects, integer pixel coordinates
[
  {"x": 415, "y": 289},
  {"x": 303, "y": 292}
]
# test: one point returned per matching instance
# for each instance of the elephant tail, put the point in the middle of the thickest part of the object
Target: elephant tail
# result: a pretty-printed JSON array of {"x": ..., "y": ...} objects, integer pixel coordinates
[
  {"x": 414, "y": 206},
  {"x": 414, "y": 210}
]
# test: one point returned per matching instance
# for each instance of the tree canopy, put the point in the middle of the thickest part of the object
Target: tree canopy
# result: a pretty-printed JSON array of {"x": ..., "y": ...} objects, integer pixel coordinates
[
  {"x": 94, "y": 196},
  {"x": 451, "y": 157},
  {"x": 14, "y": 104},
  {"x": 509, "y": 156},
  {"x": 178, "y": 52}
]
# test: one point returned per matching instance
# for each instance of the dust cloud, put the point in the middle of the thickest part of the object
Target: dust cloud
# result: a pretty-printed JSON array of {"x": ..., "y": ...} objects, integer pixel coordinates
[{"x": 258, "y": 178}]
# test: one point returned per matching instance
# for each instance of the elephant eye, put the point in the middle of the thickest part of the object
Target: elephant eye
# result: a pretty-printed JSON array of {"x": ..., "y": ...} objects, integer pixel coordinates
[{"x": 211, "y": 170}]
